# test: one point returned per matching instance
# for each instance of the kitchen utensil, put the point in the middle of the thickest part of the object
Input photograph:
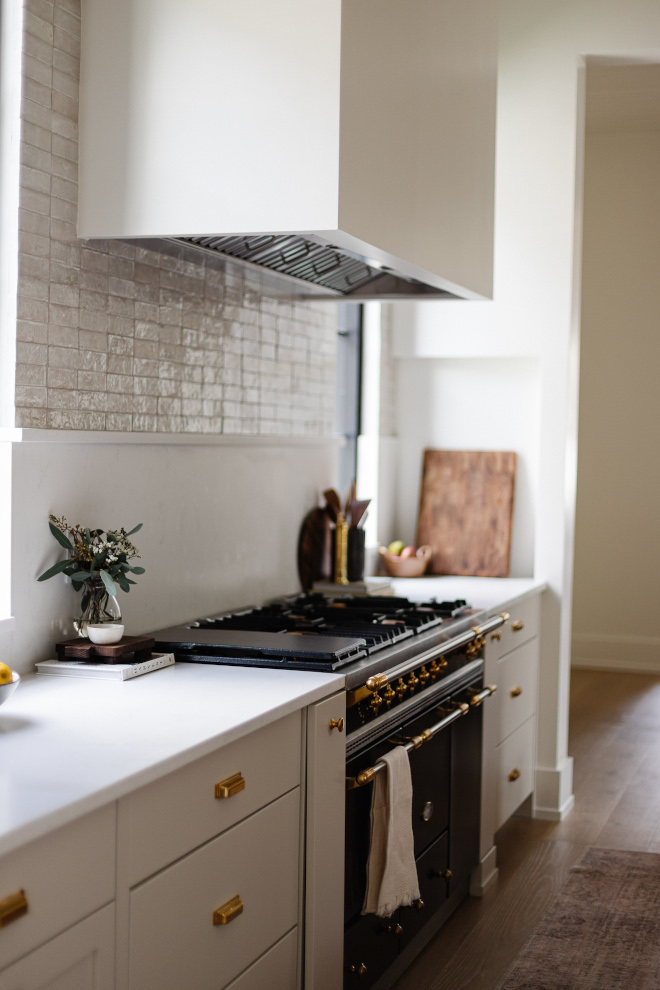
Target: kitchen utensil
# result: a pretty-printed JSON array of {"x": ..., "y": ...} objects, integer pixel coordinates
[
  {"x": 406, "y": 566},
  {"x": 334, "y": 503},
  {"x": 466, "y": 511},
  {"x": 314, "y": 562},
  {"x": 357, "y": 510}
]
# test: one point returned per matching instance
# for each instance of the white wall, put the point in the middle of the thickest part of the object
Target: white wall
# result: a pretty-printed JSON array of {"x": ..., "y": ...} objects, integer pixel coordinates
[
  {"x": 617, "y": 547},
  {"x": 465, "y": 404},
  {"x": 221, "y": 521},
  {"x": 538, "y": 202}
]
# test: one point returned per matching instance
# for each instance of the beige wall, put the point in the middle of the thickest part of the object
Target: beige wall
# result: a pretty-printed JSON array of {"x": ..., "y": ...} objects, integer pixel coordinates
[{"x": 617, "y": 542}]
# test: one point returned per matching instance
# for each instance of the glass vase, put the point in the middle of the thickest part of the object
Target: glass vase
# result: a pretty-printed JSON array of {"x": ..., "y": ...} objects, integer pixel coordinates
[{"x": 96, "y": 605}]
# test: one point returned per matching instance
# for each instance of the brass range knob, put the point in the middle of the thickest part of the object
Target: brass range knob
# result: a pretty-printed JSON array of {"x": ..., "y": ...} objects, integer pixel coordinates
[
  {"x": 389, "y": 695},
  {"x": 360, "y": 970},
  {"x": 413, "y": 682},
  {"x": 337, "y": 723},
  {"x": 496, "y": 636},
  {"x": 424, "y": 675},
  {"x": 401, "y": 688},
  {"x": 375, "y": 702},
  {"x": 437, "y": 665}
]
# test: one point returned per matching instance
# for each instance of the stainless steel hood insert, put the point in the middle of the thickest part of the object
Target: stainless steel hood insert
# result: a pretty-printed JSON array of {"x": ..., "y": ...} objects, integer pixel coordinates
[{"x": 319, "y": 265}]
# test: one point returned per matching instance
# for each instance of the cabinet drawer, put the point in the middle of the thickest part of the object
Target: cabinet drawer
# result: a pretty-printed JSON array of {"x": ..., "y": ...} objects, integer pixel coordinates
[
  {"x": 523, "y": 625},
  {"x": 168, "y": 818},
  {"x": 65, "y": 876},
  {"x": 174, "y": 942},
  {"x": 515, "y": 760},
  {"x": 516, "y": 688},
  {"x": 81, "y": 958},
  {"x": 277, "y": 969}
]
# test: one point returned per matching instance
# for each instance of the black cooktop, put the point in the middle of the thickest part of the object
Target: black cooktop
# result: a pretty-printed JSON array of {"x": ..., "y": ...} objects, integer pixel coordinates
[{"x": 305, "y": 632}]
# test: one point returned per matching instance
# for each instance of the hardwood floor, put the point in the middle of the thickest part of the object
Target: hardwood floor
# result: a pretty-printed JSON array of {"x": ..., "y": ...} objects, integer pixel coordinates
[{"x": 615, "y": 742}]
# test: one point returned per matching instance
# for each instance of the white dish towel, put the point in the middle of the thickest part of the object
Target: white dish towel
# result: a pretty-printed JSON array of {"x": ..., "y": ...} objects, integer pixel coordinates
[{"x": 391, "y": 871}]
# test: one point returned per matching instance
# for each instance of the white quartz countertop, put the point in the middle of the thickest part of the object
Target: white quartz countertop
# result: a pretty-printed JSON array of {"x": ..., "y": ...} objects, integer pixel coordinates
[
  {"x": 69, "y": 745},
  {"x": 489, "y": 594}
]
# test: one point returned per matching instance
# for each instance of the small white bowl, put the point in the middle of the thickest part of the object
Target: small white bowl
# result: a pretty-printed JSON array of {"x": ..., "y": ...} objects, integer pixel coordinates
[
  {"x": 104, "y": 633},
  {"x": 6, "y": 690}
]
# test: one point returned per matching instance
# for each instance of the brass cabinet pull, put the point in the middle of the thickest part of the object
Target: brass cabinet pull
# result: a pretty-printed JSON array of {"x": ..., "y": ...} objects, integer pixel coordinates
[
  {"x": 360, "y": 970},
  {"x": 516, "y": 691},
  {"x": 230, "y": 786},
  {"x": 442, "y": 874},
  {"x": 515, "y": 773},
  {"x": 394, "y": 930},
  {"x": 337, "y": 723},
  {"x": 419, "y": 904},
  {"x": 228, "y": 912},
  {"x": 13, "y": 907},
  {"x": 517, "y": 625}
]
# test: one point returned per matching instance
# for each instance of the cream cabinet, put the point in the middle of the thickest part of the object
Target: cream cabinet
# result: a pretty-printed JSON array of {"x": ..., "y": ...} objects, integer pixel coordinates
[
  {"x": 46, "y": 887},
  {"x": 225, "y": 873},
  {"x": 509, "y": 734}
]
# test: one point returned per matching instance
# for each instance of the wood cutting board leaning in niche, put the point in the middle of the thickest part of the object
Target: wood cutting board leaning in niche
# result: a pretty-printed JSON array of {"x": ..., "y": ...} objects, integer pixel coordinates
[{"x": 466, "y": 511}]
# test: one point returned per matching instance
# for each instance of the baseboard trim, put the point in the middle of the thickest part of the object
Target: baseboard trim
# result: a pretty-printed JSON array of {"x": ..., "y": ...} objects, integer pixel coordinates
[
  {"x": 485, "y": 874},
  {"x": 623, "y": 666},
  {"x": 554, "y": 814}
]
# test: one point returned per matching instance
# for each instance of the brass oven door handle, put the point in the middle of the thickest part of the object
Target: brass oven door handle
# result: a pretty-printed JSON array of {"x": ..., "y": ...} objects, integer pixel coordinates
[
  {"x": 230, "y": 786},
  {"x": 228, "y": 912},
  {"x": 13, "y": 907}
]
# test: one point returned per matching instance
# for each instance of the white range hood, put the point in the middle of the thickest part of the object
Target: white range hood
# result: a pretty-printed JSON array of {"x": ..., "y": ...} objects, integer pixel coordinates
[{"x": 363, "y": 128}]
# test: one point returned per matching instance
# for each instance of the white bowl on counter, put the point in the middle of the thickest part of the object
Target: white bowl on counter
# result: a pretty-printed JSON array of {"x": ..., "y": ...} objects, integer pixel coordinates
[
  {"x": 6, "y": 690},
  {"x": 104, "y": 633}
]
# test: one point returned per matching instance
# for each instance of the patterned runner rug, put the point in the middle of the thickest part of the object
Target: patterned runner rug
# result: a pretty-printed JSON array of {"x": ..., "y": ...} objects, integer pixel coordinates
[{"x": 602, "y": 932}]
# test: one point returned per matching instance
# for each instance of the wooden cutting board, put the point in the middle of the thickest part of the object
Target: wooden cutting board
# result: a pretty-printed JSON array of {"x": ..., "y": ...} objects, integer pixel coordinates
[{"x": 466, "y": 511}]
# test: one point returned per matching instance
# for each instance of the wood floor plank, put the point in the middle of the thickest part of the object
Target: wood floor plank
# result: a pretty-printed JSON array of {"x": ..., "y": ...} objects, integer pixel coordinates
[{"x": 614, "y": 720}]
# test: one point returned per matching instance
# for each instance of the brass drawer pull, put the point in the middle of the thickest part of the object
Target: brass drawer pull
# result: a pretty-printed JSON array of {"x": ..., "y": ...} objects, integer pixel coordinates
[
  {"x": 337, "y": 723},
  {"x": 13, "y": 907},
  {"x": 230, "y": 786},
  {"x": 517, "y": 625},
  {"x": 223, "y": 915},
  {"x": 516, "y": 691},
  {"x": 515, "y": 773}
]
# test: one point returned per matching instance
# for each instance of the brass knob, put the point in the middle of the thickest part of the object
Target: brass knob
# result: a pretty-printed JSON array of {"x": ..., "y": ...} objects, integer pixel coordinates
[
  {"x": 337, "y": 723},
  {"x": 427, "y": 812},
  {"x": 401, "y": 687},
  {"x": 228, "y": 912},
  {"x": 13, "y": 907},
  {"x": 424, "y": 675},
  {"x": 413, "y": 681},
  {"x": 394, "y": 930},
  {"x": 441, "y": 874},
  {"x": 496, "y": 635},
  {"x": 419, "y": 904},
  {"x": 360, "y": 970},
  {"x": 389, "y": 695},
  {"x": 230, "y": 786},
  {"x": 516, "y": 691},
  {"x": 375, "y": 702},
  {"x": 517, "y": 625},
  {"x": 515, "y": 773}
]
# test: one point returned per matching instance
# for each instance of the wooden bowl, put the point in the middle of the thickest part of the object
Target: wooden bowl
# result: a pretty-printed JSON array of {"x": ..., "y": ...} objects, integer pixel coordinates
[{"x": 406, "y": 566}]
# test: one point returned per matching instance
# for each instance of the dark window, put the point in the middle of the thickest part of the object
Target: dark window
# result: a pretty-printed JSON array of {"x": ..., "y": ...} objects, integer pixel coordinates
[{"x": 347, "y": 405}]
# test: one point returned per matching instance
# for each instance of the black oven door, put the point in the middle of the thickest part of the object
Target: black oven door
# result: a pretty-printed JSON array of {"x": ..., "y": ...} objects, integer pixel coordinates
[{"x": 446, "y": 778}]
